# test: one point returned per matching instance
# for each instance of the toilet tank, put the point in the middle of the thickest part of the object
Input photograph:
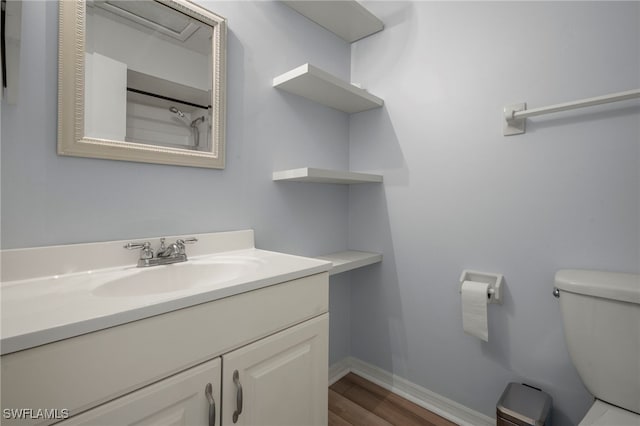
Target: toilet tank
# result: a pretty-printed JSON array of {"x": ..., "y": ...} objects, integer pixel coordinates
[{"x": 601, "y": 320}]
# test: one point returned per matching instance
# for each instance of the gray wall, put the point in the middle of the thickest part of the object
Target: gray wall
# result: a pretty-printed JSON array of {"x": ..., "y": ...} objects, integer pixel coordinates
[
  {"x": 47, "y": 199},
  {"x": 458, "y": 195}
]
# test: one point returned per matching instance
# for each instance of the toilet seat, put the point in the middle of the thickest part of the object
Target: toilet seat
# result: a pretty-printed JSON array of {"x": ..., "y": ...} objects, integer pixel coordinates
[{"x": 603, "y": 414}]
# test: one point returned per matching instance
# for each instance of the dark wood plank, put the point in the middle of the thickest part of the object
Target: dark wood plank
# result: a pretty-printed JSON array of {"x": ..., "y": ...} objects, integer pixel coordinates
[
  {"x": 384, "y": 408},
  {"x": 336, "y": 420},
  {"x": 397, "y": 401},
  {"x": 341, "y": 386},
  {"x": 352, "y": 412}
]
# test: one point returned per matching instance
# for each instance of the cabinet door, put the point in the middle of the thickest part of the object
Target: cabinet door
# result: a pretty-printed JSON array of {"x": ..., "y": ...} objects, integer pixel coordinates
[
  {"x": 178, "y": 400},
  {"x": 283, "y": 378}
]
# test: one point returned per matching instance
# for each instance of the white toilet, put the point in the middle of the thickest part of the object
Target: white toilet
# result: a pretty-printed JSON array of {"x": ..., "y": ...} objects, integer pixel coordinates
[{"x": 601, "y": 317}]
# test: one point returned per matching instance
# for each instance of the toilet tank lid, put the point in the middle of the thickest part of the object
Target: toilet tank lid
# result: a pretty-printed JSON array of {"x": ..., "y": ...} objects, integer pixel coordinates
[{"x": 608, "y": 285}]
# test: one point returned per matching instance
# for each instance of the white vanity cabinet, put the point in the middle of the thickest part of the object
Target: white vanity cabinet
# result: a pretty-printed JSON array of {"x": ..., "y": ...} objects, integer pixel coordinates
[
  {"x": 154, "y": 371},
  {"x": 278, "y": 380}
]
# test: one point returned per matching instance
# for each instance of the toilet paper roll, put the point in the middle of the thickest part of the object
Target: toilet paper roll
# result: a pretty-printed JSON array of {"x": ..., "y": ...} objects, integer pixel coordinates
[{"x": 474, "y": 309}]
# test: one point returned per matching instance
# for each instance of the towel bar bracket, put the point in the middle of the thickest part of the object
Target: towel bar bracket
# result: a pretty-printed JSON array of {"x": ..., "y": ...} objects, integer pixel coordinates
[{"x": 514, "y": 126}]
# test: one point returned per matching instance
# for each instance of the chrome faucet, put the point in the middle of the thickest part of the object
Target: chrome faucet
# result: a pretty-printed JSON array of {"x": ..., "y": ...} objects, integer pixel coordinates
[{"x": 165, "y": 255}]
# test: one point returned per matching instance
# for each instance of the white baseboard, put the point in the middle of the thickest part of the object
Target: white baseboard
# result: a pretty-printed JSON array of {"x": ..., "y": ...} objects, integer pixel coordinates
[
  {"x": 338, "y": 370},
  {"x": 450, "y": 410}
]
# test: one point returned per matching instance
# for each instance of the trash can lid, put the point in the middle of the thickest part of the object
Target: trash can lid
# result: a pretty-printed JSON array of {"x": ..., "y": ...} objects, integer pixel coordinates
[{"x": 524, "y": 405}]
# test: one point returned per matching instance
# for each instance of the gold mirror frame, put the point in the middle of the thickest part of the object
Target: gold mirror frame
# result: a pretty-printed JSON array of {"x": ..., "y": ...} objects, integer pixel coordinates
[{"x": 71, "y": 95}]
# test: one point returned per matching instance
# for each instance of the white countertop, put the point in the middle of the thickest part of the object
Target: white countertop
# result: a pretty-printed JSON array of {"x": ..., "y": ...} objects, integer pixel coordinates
[{"x": 41, "y": 310}]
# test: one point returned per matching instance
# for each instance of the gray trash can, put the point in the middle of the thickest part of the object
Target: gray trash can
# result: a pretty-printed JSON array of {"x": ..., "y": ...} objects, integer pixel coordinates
[{"x": 523, "y": 405}]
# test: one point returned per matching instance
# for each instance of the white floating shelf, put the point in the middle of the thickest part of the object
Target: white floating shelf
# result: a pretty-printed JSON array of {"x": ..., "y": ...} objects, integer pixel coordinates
[
  {"x": 319, "y": 86},
  {"x": 308, "y": 174},
  {"x": 347, "y": 260},
  {"x": 347, "y": 19}
]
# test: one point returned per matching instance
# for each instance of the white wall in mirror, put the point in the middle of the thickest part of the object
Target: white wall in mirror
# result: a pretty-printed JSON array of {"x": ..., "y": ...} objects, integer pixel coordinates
[
  {"x": 148, "y": 51},
  {"x": 105, "y": 97}
]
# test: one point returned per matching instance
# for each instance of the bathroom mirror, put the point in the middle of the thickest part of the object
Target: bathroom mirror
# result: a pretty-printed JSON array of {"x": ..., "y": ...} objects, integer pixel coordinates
[{"x": 142, "y": 80}]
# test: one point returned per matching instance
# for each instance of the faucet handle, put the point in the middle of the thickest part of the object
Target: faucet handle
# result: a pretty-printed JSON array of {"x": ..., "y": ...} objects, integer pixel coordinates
[
  {"x": 146, "y": 252},
  {"x": 181, "y": 242},
  {"x": 190, "y": 240},
  {"x": 133, "y": 246}
]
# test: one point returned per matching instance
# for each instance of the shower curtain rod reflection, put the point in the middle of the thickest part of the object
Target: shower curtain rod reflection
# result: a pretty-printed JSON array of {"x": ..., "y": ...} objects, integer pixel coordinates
[{"x": 166, "y": 98}]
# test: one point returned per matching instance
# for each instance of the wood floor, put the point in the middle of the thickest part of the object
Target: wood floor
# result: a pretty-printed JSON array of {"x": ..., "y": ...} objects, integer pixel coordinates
[{"x": 356, "y": 401}]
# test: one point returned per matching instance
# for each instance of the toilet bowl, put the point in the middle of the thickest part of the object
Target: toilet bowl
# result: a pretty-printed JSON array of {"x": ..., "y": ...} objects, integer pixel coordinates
[{"x": 601, "y": 322}]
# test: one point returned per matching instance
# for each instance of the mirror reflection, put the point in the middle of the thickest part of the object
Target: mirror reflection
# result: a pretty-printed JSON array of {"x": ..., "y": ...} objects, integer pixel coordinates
[{"x": 148, "y": 75}]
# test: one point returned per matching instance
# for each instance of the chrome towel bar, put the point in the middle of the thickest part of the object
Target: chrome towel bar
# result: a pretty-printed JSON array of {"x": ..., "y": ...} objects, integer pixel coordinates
[{"x": 515, "y": 115}]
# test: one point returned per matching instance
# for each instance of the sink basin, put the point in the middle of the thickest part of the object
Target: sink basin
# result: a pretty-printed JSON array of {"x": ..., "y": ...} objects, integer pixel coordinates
[{"x": 178, "y": 277}]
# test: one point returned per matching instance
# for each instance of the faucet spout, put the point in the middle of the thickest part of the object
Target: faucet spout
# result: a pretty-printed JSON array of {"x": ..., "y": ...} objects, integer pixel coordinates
[{"x": 170, "y": 251}]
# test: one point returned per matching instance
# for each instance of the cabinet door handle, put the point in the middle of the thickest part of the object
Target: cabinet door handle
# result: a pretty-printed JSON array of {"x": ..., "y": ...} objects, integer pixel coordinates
[
  {"x": 236, "y": 380},
  {"x": 208, "y": 391}
]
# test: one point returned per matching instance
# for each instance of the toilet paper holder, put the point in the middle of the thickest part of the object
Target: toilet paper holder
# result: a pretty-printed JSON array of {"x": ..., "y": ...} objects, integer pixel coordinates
[{"x": 494, "y": 280}]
